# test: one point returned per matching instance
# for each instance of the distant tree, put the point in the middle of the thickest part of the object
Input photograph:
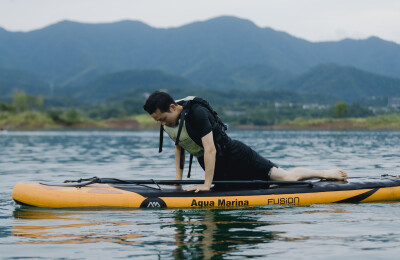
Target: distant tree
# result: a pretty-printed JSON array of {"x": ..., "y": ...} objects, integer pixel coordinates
[
  {"x": 6, "y": 107},
  {"x": 39, "y": 102},
  {"x": 356, "y": 110},
  {"x": 72, "y": 117},
  {"x": 30, "y": 102},
  {"x": 20, "y": 100},
  {"x": 56, "y": 115},
  {"x": 340, "y": 109}
]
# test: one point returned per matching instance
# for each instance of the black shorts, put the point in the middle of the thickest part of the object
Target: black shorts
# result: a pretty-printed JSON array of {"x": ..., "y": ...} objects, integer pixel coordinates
[{"x": 240, "y": 162}]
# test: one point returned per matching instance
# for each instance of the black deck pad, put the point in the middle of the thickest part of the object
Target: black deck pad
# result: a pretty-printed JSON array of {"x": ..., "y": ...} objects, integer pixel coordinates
[{"x": 319, "y": 186}]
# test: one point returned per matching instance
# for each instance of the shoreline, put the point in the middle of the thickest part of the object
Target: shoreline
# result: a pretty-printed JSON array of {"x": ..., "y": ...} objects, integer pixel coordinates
[
  {"x": 141, "y": 122},
  {"x": 382, "y": 122}
]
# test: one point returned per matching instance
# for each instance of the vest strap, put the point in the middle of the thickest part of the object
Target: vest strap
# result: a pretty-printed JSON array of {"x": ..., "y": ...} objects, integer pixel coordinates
[
  {"x": 161, "y": 139},
  {"x": 181, "y": 120},
  {"x": 190, "y": 165},
  {"x": 182, "y": 158}
]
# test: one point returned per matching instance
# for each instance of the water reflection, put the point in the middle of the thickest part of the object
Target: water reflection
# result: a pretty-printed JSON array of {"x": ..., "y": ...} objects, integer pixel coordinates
[
  {"x": 41, "y": 226},
  {"x": 210, "y": 233},
  {"x": 205, "y": 234}
]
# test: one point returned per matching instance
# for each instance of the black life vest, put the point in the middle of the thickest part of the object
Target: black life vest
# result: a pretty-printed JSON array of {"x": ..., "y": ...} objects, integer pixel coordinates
[{"x": 218, "y": 128}]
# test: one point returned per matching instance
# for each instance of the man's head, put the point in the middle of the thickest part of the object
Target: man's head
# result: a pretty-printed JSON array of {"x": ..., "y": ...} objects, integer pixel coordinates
[{"x": 163, "y": 108}]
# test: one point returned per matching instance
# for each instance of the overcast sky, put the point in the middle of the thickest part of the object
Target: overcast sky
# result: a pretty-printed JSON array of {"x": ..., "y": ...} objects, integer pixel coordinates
[{"x": 314, "y": 20}]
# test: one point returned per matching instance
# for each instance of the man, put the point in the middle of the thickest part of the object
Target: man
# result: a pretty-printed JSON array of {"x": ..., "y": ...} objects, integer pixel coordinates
[{"x": 195, "y": 127}]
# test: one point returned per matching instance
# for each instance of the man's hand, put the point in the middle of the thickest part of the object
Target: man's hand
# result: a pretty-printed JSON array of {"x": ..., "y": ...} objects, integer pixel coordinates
[{"x": 198, "y": 188}]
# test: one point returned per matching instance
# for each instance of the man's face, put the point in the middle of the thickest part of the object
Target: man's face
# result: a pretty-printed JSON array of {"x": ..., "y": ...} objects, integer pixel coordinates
[{"x": 167, "y": 118}]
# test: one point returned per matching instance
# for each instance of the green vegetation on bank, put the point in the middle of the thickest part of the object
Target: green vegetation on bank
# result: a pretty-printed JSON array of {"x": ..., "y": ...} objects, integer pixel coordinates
[
  {"x": 379, "y": 122},
  {"x": 261, "y": 109},
  {"x": 36, "y": 120},
  {"x": 27, "y": 113}
]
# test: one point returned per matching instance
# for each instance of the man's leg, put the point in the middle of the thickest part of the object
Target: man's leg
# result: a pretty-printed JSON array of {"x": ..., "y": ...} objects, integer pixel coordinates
[{"x": 298, "y": 174}]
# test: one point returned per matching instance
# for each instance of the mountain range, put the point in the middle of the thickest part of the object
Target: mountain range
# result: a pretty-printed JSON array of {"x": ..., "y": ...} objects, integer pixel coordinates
[{"x": 221, "y": 54}]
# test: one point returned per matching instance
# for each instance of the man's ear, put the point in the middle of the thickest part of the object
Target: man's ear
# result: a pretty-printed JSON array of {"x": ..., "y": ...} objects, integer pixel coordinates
[{"x": 172, "y": 107}]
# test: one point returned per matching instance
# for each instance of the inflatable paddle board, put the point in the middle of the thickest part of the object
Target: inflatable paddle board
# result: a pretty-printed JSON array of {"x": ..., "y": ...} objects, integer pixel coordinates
[{"x": 96, "y": 192}]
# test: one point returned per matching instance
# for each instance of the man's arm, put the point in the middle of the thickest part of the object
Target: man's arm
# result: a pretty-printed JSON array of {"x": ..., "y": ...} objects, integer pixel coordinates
[
  {"x": 209, "y": 163},
  {"x": 179, "y": 171}
]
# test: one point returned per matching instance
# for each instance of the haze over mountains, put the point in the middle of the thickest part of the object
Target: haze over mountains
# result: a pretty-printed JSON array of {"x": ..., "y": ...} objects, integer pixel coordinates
[{"x": 222, "y": 53}]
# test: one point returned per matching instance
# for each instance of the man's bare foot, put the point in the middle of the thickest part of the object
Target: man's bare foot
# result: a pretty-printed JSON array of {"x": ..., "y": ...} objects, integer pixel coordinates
[{"x": 335, "y": 174}]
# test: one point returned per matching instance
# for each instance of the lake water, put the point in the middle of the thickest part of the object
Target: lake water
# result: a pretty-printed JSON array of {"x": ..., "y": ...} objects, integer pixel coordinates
[{"x": 338, "y": 231}]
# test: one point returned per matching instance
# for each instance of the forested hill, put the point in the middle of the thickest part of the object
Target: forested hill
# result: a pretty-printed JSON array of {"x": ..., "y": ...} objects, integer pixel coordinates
[
  {"x": 122, "y": 84},
  {"x": 339, "y": 82},
  {"x": 348, "y": 83},
  {"x": 70, "y": 53}
]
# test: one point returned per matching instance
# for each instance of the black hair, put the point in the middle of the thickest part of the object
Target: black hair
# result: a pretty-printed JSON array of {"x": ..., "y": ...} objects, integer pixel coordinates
[{"x": 158, "y": 100}]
